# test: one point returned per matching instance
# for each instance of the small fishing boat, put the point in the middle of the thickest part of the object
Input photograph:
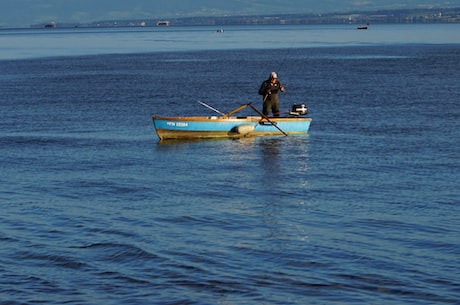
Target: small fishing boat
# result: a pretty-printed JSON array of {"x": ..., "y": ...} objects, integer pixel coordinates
[
  {"x": 163, "y": 23},
  {"x": 363, "y": 27},
  {"x": 50, "y": 25},
  {"x": 228, "y": 126}
]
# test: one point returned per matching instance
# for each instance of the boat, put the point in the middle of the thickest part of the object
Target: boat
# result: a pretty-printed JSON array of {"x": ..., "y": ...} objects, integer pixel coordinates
[
  {"x": 50, "y": 25},
  {"x": 363, "y": 27},
  {"x": 163, "y": 23},
  {"x": 228, "y": 126}
]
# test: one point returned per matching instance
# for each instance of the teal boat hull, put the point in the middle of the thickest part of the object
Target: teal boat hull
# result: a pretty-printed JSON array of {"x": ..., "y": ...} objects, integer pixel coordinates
[{"x": 228, "y": 127}]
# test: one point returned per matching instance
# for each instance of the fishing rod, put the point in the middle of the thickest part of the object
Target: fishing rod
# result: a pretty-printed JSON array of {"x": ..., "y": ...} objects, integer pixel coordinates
[
  {"x": 210, "y": 107},
  {"x": 224, "y": 114}
]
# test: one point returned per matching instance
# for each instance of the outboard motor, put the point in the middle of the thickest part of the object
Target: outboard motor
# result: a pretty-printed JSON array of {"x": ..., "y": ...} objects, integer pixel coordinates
[{"x": 299, "y": 109}]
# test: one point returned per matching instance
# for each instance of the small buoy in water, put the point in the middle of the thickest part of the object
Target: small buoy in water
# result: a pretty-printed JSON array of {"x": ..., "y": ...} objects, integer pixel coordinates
[{"x": 245, "y": 128}]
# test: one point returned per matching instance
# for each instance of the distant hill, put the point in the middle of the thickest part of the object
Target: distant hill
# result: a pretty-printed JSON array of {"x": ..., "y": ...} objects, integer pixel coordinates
[
  {"x": 23, "y": 13},
  {"x": 449, "y": 15}
]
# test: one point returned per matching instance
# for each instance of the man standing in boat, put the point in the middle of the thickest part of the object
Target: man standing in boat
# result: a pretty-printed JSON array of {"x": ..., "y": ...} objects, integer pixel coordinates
[{"x": 269, "y": 90}]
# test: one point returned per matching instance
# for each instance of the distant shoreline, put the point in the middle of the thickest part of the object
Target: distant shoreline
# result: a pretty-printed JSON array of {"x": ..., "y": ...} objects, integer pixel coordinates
[{"x": 406, "y": 16}]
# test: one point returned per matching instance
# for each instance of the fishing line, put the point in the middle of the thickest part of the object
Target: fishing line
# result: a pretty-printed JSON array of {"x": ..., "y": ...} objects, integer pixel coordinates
[
  {"x": 283, "y": 62},
  {"x": 286, "y": 56}
]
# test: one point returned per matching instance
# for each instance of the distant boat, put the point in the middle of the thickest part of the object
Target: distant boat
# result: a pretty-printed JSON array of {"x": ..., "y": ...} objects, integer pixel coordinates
[
  {"x": 50, "y": 25},
  {"x": 163, "y": 23},
  {"x": 220, "y": 30},
  {"x": 363, "y": 27}
]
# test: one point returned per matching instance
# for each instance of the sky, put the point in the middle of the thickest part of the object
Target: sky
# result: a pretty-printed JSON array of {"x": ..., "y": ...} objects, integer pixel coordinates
[{"x": 23, "y": 13}]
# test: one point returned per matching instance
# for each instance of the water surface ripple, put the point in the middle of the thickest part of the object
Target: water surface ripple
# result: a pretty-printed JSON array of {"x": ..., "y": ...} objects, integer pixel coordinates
[{"x": 363, "y": 210}]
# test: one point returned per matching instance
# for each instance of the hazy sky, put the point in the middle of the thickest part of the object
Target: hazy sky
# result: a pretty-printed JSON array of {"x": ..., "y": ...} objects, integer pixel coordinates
[{"x": 23, "y": 13}]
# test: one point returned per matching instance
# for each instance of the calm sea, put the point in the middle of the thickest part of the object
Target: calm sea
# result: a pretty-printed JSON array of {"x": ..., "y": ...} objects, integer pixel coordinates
[{"x": 363, "y": 210}]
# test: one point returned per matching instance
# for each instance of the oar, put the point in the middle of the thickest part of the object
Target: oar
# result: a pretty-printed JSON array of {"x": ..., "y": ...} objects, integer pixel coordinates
[
  {"x": 236, "y": 109},
  {"x": 210, "y": 107},
  {"x": 266, "y": 117}
]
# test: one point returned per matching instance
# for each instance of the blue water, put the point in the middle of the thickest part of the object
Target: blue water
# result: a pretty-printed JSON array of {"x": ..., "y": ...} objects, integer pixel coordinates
[{"x": 363, "y": 210}]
